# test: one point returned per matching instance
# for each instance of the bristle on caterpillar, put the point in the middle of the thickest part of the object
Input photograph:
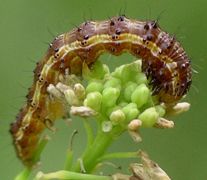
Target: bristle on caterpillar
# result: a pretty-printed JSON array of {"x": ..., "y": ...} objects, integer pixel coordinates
[{"x": 165, "y": 63}]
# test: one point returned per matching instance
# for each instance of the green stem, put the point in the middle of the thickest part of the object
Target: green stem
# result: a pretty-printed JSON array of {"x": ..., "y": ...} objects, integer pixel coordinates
[
  {"x": 69, "y": 159},
  {"x": 24, "y": 174},
  {"x": 70, "y": 176},
  {"x": 43, "y": 142},
  {"x": 89, "y": 132},
  {"x": 97, "y": 149},
  {"x": 118, "y": 155},
  {"x": 69, "y": 154}
]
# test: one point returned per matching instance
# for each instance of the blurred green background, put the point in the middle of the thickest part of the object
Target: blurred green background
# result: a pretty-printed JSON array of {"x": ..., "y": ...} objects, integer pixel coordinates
[{"x": 26, "y": 28}]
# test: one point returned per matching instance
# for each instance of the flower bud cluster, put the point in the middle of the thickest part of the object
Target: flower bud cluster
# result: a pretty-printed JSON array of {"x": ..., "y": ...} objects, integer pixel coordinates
[
  {"x": 122, "y": 96},
  {"x": 120, "y": 100}
]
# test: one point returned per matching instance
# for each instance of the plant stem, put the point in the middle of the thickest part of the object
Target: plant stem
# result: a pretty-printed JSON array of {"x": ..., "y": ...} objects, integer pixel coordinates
[
  {"x": 69, "y": 159},
  {"x": 89, "y": 132},
  {"x": 43, "y": 142},
  {"x": 69, "y": 154},
  {"x": 118, "y": 156},
  {"x": 97, "y": 149},
  {"x": 24, "y": 174},
  {"x": 70, "y": 176}
]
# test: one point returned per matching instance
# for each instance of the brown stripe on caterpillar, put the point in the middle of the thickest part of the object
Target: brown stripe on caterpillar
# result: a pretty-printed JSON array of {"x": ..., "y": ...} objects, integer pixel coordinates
[{"x": 164, "y": 61}]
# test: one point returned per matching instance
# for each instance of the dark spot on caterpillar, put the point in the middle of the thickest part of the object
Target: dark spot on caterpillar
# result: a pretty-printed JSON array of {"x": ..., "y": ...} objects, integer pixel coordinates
[
  {"x": 112, "y": 23},
  {"x": 13, "y": 127},
  {"x": 28, "y": 130},
  {"x": 113, "y": 50},
  {"x": 46, "y": 82},
  {"x": 41, "y": 79},
  {"x": 86, "y": 37},
  {"x": 79, "y": 29},
  {"x": 154, "y": 24},
  {"x": 87, "y": 23},
  {"x": 146, "y": 26},
  {"x": 144, "y": 39},
  {"x": 169, "y": 46},
  {"x": 114, "y": 37},
  {"x": 118, "y": 31},
  {"x": 33, "y": 104},
  {"x": 121, "y": 18},
  {"x": 160, "y": 52},
  {"x": 56, "y": 55},
  {"x": 83, "y": 43},
  {"x": 149, "y": 37},
  {"x": 175, "y": 74},
  {"x": 56, "y": 50}
]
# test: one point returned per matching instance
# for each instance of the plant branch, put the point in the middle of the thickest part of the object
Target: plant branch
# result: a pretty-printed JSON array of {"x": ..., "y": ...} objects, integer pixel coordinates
[{"x": 70, "y": 176}]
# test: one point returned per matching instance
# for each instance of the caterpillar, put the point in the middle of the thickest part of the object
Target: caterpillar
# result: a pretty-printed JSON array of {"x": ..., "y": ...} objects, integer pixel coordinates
[{"x": 164, "y": 62}]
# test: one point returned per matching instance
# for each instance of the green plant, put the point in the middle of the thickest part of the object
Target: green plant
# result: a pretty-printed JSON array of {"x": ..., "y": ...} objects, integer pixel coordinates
[{"x": 119, "y": 101}]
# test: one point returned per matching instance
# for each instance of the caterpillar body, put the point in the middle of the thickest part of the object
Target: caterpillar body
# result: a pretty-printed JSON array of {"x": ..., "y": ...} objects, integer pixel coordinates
[{"x": 164, "y": 61}]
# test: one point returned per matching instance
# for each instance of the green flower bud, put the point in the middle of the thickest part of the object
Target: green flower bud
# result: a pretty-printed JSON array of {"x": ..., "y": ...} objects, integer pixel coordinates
[
  {"x": 94, "y": 86},
  {"x": 110, "y": 96},
  {"x": 138, "y": 65},
  {"x": 131, "y": 112},
  {"x": 118, "y": 72},
  {"x": 128, "y": 72},
  {"x": 113, "y": 82},
  {"x": 93, "y": 100},
  {"x": 149, "y": 117},
  {"x": 131, "y": 105},
  {"x": 109, "y": 110},
  {"x": 106, "y": 69},
  {"x": 141, "y": 78},
  {"x": 161, "y": 110},
  {"x": 140, "y": 95},
  {"x": 117, "y": 117},
  {"x": 130, "y": 88}
]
